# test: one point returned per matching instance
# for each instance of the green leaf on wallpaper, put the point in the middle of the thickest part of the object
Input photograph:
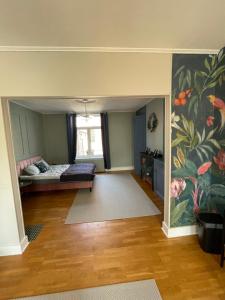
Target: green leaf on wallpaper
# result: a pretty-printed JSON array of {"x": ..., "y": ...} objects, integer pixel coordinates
[
  {"x": 185, "y": 122},
  {"x": 181, "y": 79},
  {"x": 191, "y": 166},
  {"x": 188, "y": 77},
  {"x": 213, "y": 60},
  {"x": 177, "y": 212},
  {"x": 183, "y": 172},
  {"x": 198, "y": 81},
  {"x": 215, "y": 143},
  {"x": 221, "y": 80},
  {"x": 220, "y": 56},
  {"x": 196, "y": 108},
  {"x": 217, "y": 189},
  {"x": 180, "y": 138},
  {"x": 203, "y": 74},
  {"x": 207, "y": 147},
  {"x": 222, "y": 142},
  {"x": 192, "y": 101},
  {"x": 175, "y": 125},
  {"x": 203, "y": 134},
  {"x": 211, "y": 133},
  {"x": 211, "y": 84},
  {"x": 204, "y": 151},
  {"x": 218, "y": 72},
  {"x": 206, "y": 63},
  {"x": 178, "y": 71},
  {"x": 191, "y": 129},
  {"x": 199, "y": 154},
  {"x": 204, "y": 181}
]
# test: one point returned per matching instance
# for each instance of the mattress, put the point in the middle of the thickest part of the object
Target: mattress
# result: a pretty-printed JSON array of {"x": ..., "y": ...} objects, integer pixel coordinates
[
  {"x": 79, "y": 172},
  {"x": 54, "y": 172}
]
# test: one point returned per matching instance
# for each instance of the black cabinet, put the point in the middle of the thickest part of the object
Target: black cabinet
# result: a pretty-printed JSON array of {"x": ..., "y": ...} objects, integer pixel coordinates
[
  {"x": 159, "y": 177},
  {"x": 147, "y": 167}
]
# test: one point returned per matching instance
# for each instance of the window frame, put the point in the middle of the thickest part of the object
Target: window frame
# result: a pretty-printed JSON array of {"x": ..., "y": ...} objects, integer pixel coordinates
[{"x": 89, "y": 155}]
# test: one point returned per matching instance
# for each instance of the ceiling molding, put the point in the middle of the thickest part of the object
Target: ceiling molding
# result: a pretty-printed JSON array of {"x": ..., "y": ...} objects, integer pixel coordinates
[{"x": 105, "y": 50}]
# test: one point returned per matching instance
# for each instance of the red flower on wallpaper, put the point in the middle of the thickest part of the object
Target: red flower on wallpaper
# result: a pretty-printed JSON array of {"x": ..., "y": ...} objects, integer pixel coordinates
[
  {"x": 181, "y": 100},
  {"x": 204, "y": 168},
  {"x": 210, "y": 121},
  {"x": 220, "y": 159}
]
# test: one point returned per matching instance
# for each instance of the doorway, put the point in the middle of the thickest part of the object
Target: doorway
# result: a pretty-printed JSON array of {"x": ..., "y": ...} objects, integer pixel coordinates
[{"x": 13, "y": 164}]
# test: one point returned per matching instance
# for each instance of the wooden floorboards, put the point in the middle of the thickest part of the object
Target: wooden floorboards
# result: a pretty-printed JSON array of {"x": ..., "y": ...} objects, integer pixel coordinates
[{"x": 66, "y": 257}]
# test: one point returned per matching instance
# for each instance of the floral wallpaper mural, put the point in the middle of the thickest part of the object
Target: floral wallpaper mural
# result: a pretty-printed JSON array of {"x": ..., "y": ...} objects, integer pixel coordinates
[{"x": 198, "y": 136}]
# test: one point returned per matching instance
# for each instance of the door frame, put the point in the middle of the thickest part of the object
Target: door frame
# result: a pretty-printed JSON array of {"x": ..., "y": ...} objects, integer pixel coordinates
[{"x": 14, "y": 177}]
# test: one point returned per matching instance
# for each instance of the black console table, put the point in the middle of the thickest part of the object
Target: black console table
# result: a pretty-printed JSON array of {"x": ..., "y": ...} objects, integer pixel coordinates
[
  {"x": 147, "y": 167},
  {"x": 152, "y": 171},
  {"x": 159, "y": 177}
]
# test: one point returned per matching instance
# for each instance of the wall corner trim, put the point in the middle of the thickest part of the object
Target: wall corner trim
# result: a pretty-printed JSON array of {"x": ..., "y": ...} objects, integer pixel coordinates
[
  {"x": 178, "y": 231},
  {"x": 15, "y": 250}
]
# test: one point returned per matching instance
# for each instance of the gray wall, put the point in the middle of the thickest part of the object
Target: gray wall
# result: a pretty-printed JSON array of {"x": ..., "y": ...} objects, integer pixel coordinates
[
  {"x": 55, "y": 138},
  {"x": 27, "y": 132},
  {"x": 121, "y": 139},
  {"x": 155, "y": 139},
  {"x": 45, "y": 135}
]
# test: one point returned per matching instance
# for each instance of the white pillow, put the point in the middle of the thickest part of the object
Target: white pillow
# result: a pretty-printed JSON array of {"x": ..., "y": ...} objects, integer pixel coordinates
[
  {"x": 32, "y": 170},
  {"x": 44, "y": 162}
]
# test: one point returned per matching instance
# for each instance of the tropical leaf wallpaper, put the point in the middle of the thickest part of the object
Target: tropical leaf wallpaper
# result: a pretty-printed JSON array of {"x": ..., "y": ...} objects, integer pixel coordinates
[{"x": 198, "y": 136}]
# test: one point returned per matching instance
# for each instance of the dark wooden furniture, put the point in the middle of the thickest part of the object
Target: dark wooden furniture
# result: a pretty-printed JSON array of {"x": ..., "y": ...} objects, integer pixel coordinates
[
  {"x": 159, "y": 177},
  {"x": 23, "y": 185},
  {"x": 147, "y": 167},
  {"x": 223, "y": 244}
]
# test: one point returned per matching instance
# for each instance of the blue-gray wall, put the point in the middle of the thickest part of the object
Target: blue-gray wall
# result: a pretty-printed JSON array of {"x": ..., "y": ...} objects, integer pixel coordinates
[{"x": 155, "y": 139}]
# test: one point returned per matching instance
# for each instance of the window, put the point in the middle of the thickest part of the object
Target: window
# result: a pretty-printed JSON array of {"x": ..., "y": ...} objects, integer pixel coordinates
[{"x": 89, "y": 136}]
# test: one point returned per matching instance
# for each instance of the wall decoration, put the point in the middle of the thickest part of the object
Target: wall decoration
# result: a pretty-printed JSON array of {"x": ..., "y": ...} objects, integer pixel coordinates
[
  {"x": 198, "y": 136},
  {"x": 152, "y": 122}
]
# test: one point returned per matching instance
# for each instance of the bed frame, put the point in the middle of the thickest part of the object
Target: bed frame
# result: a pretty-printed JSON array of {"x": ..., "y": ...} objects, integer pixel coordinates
[{"x": 22, "y": 164}]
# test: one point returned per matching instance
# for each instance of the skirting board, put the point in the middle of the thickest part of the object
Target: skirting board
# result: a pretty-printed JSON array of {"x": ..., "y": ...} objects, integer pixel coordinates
[
  {"x": 15, "y": 250},
  {"x": 129, "y": 168},
  {"x": 179, "y": 231}
]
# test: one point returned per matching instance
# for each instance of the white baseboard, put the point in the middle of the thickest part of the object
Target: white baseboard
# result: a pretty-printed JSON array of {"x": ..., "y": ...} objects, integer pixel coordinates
[
  {"x": 129, "y": 168},
  {"x": 179, "y": 231},
  {"x": 15, "y": 250},
  {"x": 24, "y": 243}
]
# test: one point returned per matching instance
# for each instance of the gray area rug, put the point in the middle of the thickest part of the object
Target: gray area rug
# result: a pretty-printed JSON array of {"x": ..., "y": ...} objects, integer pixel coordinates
[
  {"x": 114, "y": 196},
  {"x": 137, "y": 290}
]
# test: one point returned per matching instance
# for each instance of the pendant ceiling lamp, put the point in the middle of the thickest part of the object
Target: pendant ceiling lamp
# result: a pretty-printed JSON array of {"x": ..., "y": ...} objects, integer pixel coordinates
[{"x": 85, "y": 102}]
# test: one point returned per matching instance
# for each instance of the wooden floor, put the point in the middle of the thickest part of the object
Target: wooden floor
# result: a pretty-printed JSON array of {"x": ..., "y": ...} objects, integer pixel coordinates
[{"x": 66, "y": 257}]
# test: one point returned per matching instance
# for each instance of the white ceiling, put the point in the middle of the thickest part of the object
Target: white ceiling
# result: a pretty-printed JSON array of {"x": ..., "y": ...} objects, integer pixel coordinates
[
  {"x": 64, "y": 105},
  {"x": 173, "y": 24}
]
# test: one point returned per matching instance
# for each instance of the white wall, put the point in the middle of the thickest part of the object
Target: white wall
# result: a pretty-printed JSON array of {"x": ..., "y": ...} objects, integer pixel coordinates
[
  {"x": 155, "y": 139},
  {"x": 69, "y": 74},
  {"x": 12, "y": 236},
  {"x": 79, "y": 74}
]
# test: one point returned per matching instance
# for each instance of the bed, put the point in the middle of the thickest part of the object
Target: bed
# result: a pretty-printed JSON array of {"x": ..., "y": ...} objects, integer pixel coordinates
[{"x": 58, "y": 177}]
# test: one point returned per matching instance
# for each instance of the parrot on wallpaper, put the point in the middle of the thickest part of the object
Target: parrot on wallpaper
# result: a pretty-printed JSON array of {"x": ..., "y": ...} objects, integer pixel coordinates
[{"x": 220, "y": 105}]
